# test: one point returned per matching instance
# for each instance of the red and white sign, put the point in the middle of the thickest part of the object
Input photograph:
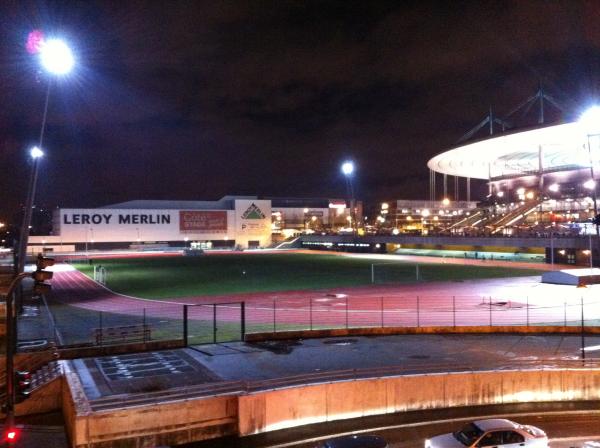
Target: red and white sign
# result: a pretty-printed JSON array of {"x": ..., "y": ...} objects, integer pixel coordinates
[{"x": 202, "y": 221}]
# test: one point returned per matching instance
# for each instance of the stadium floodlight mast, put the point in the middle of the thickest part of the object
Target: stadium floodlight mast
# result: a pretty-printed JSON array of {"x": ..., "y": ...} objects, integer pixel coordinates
[
  {"x": 590, "y": 122},
  {"x": 348, "y": 171},
  {"x": 57, "y": 59}
]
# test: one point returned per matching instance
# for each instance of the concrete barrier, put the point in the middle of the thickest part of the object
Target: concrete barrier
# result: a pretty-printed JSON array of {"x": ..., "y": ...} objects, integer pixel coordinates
[
  {"x": 182, "y": 421},
  {"x": 166, "y": 423},
  {"x": 90, "y": 351},
  {"x": 242, "y": 413},
  {"x": 170, "y": 423},
  {"x": 285, "y": 408},
  {"x": 380, "y": 331}
]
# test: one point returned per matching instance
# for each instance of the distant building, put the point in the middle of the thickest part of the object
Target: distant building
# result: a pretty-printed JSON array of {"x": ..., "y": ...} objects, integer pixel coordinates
[
  {"x": 232, "y": 221},
  {"x": 420, "y": 217}
]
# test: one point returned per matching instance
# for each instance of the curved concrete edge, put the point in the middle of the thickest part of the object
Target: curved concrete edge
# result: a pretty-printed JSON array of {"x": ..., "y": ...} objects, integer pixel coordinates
[
  {"x": 75, "y": 405},
  {"x": 90, "y": 351},
  {"x": 278, "y": 409},
  {"x": 168, "y": 423},
  {"x": 382, "y": 331},
  {"x": 201, "y": 418}
]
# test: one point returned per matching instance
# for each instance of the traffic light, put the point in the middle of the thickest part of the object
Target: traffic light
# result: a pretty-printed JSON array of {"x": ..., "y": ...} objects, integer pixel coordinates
[
  {"x": 11, "y": 435},
  {"x": 596, "y": 220},
  {"x": 22, "y": 385},
  {"x": 40, "y": 276}
]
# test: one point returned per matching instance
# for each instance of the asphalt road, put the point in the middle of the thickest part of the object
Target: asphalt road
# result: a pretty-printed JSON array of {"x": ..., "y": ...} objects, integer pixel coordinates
[{"x": 568, "y": 425}]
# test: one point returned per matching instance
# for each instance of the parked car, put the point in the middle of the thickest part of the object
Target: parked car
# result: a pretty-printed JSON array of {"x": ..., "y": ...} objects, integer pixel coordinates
[
  {"x": 358, "y": 441},
  {"x": 493, "y": 433}
]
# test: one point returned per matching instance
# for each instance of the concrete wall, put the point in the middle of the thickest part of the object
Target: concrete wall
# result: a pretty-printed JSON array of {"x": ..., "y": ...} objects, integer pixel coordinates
[
  {"x": 46, "y": 399},
  {"x": 379, "y": 331},
  {"x": 168, "y": 423},
  {"x": 197, "y": 419},
  {"x": 276, "y": 409}
]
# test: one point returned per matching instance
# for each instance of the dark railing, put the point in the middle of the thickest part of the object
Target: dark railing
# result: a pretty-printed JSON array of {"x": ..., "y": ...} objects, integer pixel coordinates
[{"x": 223, "y": 322}]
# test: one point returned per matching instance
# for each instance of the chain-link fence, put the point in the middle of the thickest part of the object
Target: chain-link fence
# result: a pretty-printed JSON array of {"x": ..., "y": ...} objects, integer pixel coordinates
[
  {"x": 225, "y": 322},
  {"x": 340, "y": 311}
]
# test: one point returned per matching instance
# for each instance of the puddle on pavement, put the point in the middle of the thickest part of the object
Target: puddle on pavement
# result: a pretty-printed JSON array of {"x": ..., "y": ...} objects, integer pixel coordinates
[
  {"x": 340, "y": 342},
  {"x": 277, "y": 347}
]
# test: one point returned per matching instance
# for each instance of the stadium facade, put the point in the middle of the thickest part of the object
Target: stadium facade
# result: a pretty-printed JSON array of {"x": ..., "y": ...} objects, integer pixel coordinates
[
  {"x": 230, "y": 222},
  {"x": 539, "y": 180}
]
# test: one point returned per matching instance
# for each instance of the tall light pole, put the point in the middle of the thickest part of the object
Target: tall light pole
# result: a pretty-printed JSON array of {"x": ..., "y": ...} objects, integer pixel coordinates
[
  {"x": 58, "y": 60},
  {"x": 348, "y": 171},
  {"x": 590, "y": 121}
]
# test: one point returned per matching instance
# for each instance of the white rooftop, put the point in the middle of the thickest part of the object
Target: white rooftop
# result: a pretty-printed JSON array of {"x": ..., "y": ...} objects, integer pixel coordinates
[{"x": 563, "y": 145}]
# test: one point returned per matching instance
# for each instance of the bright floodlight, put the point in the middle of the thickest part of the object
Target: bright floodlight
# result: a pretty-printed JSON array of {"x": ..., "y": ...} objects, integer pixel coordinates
[
  {"x": 554, "y": 188},
  {"x": 56, "y": 57},
  {"x": 589, "y": 184},
  {"x": 36, "y": 152},
  {"x": 590, "y": 120},
  {"x": 347, "y": 168}
]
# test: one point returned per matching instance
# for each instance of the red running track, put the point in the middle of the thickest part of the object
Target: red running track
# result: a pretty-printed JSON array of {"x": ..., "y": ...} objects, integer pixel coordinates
[{"x": 514, "y": 301}]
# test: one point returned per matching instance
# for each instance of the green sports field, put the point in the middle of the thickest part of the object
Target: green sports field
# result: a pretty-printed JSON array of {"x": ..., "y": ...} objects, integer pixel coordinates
[{"x": 170, "y": 277}]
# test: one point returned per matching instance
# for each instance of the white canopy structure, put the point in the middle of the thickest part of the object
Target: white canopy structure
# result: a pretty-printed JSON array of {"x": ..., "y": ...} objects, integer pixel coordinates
[{"x": 546, "y": 149}]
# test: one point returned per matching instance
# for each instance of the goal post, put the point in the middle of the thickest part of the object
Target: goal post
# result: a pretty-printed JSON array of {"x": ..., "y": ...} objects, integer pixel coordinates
[
  {"x": 100, "y": 274},
  {"x": 395, "y": 272}
]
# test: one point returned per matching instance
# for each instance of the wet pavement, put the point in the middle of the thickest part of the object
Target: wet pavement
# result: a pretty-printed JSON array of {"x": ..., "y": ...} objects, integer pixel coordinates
[
  {"x": 399, "y": 354},
  {"x": 307, "y": 360}
]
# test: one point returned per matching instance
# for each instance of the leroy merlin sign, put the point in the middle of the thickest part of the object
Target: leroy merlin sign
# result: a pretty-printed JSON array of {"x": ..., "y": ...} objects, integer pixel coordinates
[
  {"x": 253, "y": 212},
  {"x": 254, "y": 216}
]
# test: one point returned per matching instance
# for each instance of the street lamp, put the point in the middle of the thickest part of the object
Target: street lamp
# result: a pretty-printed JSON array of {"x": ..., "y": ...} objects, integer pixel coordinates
[
  {"x": 35, "y": 153},
  {"x": 348, "y": 171},
  {"x": 57, "y": 59},
  {"x": 590, "y": 121}
]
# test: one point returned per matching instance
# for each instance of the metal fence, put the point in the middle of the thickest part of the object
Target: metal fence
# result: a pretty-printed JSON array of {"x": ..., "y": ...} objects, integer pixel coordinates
[
  {"x": 214, "y": 323},
  {"x": 417, "y": 311},
  {"x": 225, "y": 322}
]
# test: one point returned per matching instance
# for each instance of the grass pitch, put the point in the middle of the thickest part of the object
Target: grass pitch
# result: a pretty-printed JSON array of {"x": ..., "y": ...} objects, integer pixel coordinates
[{"x": 171, "y": 277}]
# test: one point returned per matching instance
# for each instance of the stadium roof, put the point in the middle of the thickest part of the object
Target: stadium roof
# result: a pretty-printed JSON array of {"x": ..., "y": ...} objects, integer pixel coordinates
[{"x": 563, "y": 146}]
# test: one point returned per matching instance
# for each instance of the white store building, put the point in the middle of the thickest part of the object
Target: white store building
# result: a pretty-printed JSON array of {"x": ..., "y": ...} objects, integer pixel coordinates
[
  {"x": 243, "y": 221},
  {"x": 232, "y": 221}
]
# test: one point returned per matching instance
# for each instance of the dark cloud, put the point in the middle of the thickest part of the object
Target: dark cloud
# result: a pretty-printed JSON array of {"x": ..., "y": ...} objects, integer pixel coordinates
[{"x": 194, "y": 100}]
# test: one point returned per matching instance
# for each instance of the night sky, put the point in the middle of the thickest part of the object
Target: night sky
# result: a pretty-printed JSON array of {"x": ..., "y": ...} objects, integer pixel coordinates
[{"x": 196, "y": 100}]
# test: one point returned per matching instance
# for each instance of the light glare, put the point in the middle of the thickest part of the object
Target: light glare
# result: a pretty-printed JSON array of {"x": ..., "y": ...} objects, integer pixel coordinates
[
  {"x": 36, "y": 153},
  {"x": 56, "y": 57},
  {"x": 590, "y": 184},
  {"x": 347, "y": 168},
  {"x": 590, "y": 120}
]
